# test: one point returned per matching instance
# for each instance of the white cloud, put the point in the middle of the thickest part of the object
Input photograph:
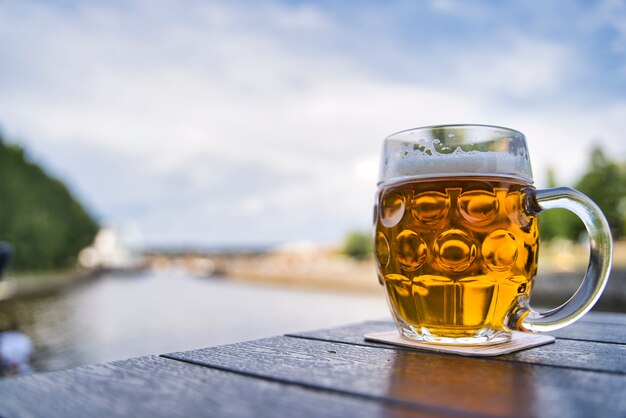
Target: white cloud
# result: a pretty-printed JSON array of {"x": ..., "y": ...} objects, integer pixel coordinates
[
  {"x": 220, "y": 123},
  {"x": 521, "y": 67}
]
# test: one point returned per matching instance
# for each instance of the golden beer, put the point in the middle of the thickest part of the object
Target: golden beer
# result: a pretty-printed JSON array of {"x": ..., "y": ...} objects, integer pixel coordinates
[{"x": 455, "y": 254}]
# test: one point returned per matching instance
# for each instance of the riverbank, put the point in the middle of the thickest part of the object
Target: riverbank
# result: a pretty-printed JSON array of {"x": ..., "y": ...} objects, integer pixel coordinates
[
  {"x": 27, "y": 284},
  {"x": 561, "y": 271},
  {"x": 335, "y": 273}
]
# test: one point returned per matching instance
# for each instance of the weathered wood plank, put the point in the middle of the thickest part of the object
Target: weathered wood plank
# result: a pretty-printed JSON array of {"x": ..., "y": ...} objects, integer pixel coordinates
[
  {"x": 593, "y": 331},
  {"x": 467, "y": 384},
  {"x": 585, "y": 355},
  {"x": 157, "y": 387},
  {"x": 605, "y": 317}
]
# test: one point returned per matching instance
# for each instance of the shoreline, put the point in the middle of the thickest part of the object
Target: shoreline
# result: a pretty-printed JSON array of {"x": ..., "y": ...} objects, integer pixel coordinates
[
  {"x": 29, "y": 284},
  {"x": 551, "y": 287}
]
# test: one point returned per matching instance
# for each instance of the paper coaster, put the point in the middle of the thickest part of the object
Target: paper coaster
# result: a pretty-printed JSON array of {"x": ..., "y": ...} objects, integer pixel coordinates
[{"x": 519, "y": 341}]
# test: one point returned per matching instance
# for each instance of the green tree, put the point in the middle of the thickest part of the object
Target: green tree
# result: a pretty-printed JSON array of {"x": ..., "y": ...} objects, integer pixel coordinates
[
  {"x": 39, "y": 217},
  {"x": 605, "y": 183},
  {"x": 557, "y": 223},
  {"x": 358, "y": 245}
]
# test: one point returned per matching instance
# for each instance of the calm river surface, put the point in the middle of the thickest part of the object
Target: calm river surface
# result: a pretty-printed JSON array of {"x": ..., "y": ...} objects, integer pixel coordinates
[{"x": 117, "y": 317}]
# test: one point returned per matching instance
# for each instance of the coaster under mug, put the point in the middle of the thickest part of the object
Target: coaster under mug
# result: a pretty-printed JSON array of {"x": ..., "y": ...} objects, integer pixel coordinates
[{"x": 519, "y": 341}]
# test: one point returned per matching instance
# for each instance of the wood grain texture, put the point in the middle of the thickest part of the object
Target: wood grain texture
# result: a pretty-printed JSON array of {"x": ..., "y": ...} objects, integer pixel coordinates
[
  {"x": 585, "y": 355},
  {"x": 593, "y": 331},
  {"x": 336, "y": 373},
  {"x": 605, "y": 317},
  {"x": 157, "y": 387},
  {"x": 482, "y": 386}
]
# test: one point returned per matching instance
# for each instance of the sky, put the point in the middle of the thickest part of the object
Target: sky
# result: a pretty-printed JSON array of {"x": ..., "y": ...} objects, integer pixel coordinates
[{"x": 253, "y": 123}]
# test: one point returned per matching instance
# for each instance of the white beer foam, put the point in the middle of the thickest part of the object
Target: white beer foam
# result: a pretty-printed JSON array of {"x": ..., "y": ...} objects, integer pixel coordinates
[{"x": 412, "y": 163}]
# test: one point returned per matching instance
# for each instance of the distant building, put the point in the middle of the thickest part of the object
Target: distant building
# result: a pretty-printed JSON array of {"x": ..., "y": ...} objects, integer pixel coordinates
[{"x": 109, "y": 252}]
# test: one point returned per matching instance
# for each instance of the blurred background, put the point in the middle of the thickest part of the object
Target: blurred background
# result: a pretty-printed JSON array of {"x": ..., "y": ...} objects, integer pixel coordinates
[{"x": 178, "y": 176}]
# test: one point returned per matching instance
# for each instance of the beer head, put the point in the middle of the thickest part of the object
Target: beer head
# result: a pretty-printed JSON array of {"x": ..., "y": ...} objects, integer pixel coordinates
[{"x": 455, "y": 150}]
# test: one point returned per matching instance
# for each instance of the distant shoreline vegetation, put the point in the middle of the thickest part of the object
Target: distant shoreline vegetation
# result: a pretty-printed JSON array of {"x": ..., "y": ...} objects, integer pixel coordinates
[
  {"x": 45, "y": 225},
  {"x": 604, "y": 181}
]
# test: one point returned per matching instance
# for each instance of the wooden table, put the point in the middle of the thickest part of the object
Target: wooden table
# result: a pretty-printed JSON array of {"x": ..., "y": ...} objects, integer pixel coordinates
[{"x": 335, "y": 373}]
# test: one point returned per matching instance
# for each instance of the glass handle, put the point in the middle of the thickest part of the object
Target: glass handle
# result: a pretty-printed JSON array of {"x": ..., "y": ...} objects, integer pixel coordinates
[{"x": 523, "y": 317}]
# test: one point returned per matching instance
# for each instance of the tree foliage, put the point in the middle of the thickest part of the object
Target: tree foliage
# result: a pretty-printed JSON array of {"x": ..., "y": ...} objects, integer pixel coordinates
[
  {"x": 39, "y": 217},
  {"x": 557, "y": 223},
  {"x": 604, "y": 181},
  {"x": 358, "y": 245}
]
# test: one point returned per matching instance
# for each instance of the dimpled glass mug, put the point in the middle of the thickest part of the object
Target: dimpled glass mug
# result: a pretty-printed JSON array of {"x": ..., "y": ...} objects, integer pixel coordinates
[{"x": 456, "y": 236}]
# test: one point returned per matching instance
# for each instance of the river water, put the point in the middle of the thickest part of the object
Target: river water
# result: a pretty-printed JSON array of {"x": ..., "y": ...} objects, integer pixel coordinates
[{"x": 116, "y": 317}]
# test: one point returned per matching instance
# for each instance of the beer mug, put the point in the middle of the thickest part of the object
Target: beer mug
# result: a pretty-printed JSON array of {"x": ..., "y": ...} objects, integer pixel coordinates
[{"x": 456, "y": 236}]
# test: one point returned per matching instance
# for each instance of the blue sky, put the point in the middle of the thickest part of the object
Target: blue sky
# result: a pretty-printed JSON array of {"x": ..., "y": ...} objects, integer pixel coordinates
[{"x": 262, "y": 122}]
